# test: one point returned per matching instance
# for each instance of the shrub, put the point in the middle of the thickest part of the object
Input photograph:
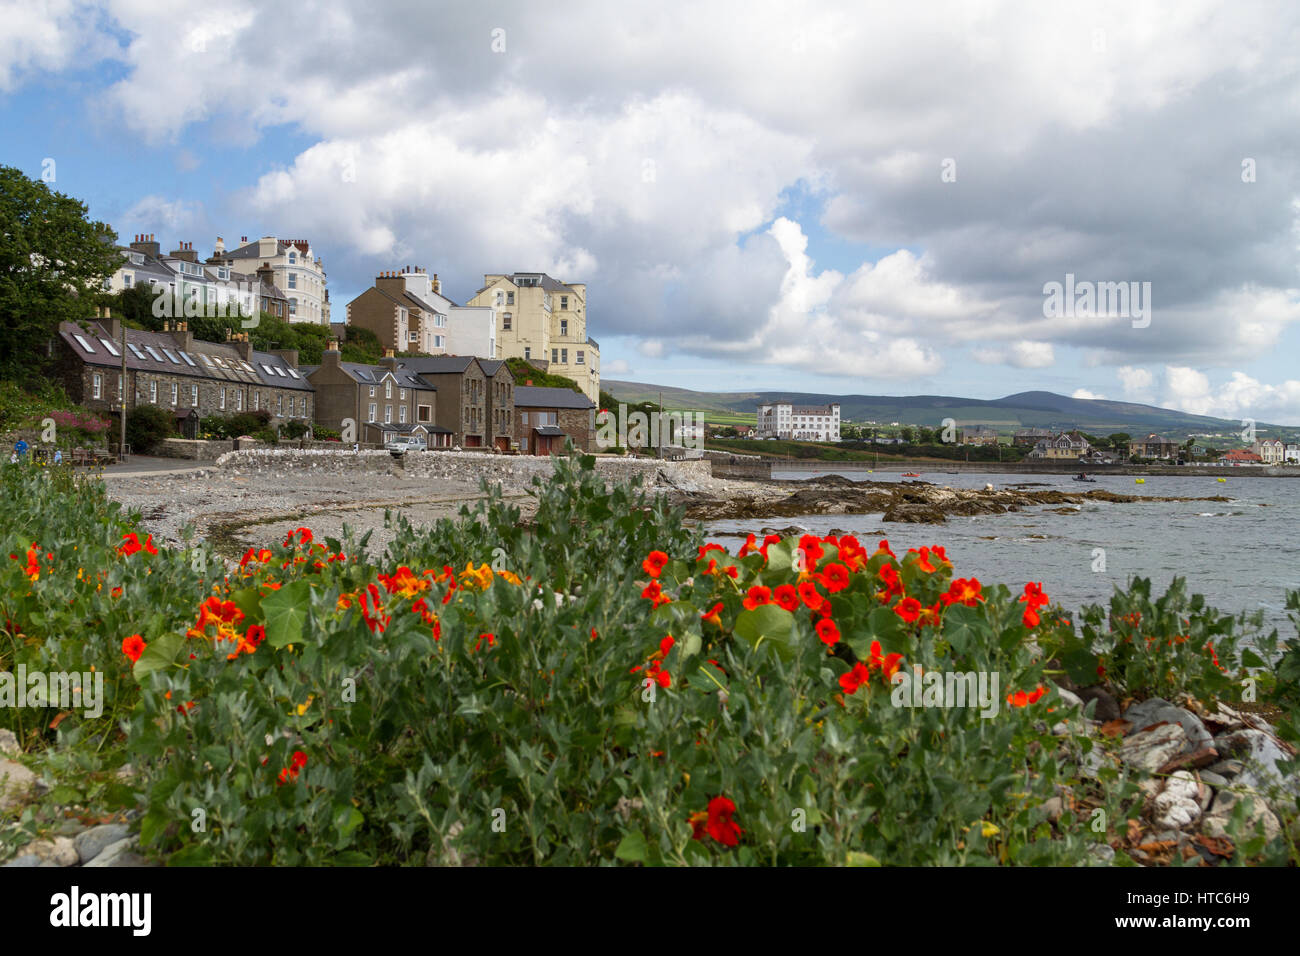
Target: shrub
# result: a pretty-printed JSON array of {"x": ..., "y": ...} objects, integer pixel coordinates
[
  {"x": 266, "y": 435},
  {"x": 146, "y": 426},
  {"x": 413, "y": 707},
  {"x": 294, "y": 429}
]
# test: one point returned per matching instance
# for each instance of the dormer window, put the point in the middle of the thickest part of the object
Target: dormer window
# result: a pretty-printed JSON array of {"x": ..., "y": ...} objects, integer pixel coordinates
[{"x": 293, "y": 258}]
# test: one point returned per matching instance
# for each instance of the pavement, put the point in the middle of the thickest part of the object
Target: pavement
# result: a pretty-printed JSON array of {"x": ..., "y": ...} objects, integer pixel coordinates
[{"x": 138, "y": 465}]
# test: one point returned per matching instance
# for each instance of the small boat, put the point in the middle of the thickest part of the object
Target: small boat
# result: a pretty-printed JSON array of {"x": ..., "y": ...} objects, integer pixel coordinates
[
  {"x": 911, "y": 474},
  {"x": 1084, "y": 478}
]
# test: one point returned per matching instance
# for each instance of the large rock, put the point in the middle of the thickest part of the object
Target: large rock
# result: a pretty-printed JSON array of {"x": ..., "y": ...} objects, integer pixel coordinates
[
  {"x": 110, "y": 854},
  {"x": 1152, "y": 749},
  {"x": 1156, "y": 710},
  {"x": 60, "y": 851},
  {"x": 914, "y": 513},
  {"x": 1221, "y": 811},
  {"x": 90, "y": 843},
  {"x": 1259, "y": 753},
  {"x": 16, "y": 782}
]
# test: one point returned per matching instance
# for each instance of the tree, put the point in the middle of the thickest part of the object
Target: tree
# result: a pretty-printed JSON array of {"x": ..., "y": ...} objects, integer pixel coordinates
[
  {"x": 906, "y": 433},
  {"x": 52, "y": 262},
  {"x": 1119, "y": 440}
]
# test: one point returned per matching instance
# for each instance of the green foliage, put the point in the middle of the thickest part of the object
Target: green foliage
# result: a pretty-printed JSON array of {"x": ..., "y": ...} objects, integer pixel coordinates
[
  {"x": 146, "y": 426},
  {"x": 52, "y": 261},
  {"x": 525, "y": 372},
  {"x": 424, "y": 741}
]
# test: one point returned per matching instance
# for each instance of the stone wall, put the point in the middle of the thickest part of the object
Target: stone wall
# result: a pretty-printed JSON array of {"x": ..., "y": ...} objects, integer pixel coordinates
[{"x": 464, "y": 465}]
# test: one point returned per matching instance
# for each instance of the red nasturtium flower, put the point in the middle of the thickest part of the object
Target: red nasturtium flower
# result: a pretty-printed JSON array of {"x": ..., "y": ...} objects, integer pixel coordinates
[
  {"x": 654, "y": 593},
  {"x": 1022, "y": 699},
  {"x": 887, "y": 665},
  {"x": 133, "y": 647},
  {"x": 883, "y": 548},
  {"x": 654, "y": 563},
  {"x": 963, "y": 591},
  {"x": 720, "y": 826},
  {"x": 810, "y": 596},
  {"x": 296, "y": 763},
  {"x": 757, "y": 595},
  {"x": 923, "y": 559},
  {"x": 828, "y": 631},
  {"x": 835, "y": 577},
  {"x": 786, "y": 596},
  {"x": 909, "y": 609},
  {"x": 855, "y": 678},
  {"x": 131, "y": 544},
  {"x": 666, "y": 645},
  {"x": 1033, "y": 598}
]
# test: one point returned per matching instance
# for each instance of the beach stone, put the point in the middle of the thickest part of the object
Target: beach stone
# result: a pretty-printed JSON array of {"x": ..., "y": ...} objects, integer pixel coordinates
[
  {"x": 1225, "y": 801},
  {"x": 8, "y": 743},
  {"x": 1228, "y": 768},
  {"x": 1178, "y": 803},
  {"x": 1107, "y": 707},
  {"x": 1259, "y": 754},
  {"x": 1213, "y": 779},
  {"x": 1156, "y": 710},
  {"x": 90, "y": 843},
  {"x": 1152, "y": 749},
  {"x": 908, "y": 512},
  {"x": 110, "y": 853},
  {"x": 16, "y": 781},
  {"x": 28, "y": 859},
  {"x": 1101, "y": 855},
  {"x": 59, "y": 851}
]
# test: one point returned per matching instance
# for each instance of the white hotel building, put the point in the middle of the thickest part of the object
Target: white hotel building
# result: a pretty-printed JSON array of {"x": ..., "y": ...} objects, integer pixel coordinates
[{"x": 799, "y": 422}]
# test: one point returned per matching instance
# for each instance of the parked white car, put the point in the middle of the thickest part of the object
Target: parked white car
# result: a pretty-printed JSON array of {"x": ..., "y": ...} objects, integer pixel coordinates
[{"x": 406, "y": 443}]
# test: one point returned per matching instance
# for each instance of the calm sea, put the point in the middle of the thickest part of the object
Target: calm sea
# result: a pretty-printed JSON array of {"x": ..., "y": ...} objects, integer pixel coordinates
[{"x": 1243, "y": 555}]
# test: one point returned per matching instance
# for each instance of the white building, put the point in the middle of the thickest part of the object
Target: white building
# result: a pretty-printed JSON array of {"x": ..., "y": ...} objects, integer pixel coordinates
[
  {"x": 469, "y": 329},
  {"x": 298, "y": 271},
  {"x": 1291, "y": 454},
  {"x": 799, "y": 422}
]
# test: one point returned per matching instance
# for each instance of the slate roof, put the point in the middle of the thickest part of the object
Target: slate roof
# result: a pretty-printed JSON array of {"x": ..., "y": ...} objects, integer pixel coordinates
[
  {"x": 161, "y": 352},
  {"x": 530, "y": 396}
]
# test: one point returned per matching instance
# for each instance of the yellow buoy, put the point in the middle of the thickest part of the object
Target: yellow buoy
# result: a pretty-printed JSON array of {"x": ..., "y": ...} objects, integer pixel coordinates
[
  {"x": 1140, "y": 481},
  {"x": 1221, "y": 479}
]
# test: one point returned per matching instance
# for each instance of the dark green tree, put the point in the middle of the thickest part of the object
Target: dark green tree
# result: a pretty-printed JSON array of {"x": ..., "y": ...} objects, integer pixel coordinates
[{"x": 53, "y": 261}]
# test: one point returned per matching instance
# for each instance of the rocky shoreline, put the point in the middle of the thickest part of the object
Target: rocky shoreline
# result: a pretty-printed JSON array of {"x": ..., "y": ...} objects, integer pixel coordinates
[{"x": 912, "y": 502}]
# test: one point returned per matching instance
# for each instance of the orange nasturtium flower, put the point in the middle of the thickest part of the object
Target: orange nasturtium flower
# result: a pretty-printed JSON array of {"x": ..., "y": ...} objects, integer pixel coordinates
[
  {"x": 131, "y": 544},
  {"x": 713, "y": 615},
  {"x": 1021, "y": 699},
  {"x": 133, "y": 647},
  {"x": 654, "y": 563}
]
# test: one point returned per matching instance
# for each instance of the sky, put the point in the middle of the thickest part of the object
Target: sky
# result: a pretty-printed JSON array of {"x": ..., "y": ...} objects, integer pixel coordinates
[{"x": 829, "y": 197}]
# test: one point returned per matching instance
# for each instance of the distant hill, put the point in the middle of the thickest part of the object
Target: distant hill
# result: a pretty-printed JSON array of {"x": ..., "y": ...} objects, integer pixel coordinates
[{"x": 1022, "y": 410}]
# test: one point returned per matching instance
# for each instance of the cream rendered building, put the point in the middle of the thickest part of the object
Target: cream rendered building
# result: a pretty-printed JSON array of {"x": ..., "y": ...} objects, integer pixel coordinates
[
  {"x": 542, "y": 319},
  {"x": 298, "y": 271}
]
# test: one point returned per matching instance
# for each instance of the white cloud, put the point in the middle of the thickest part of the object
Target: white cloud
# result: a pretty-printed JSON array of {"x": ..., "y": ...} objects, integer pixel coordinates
[
  {"x": 1024, "y": 354},
  {"x": 1239, "y": 397},
  {"x": 617, "y": 367},
  {"x": 1136, "y": 383},
  {"x": 1084, "y": 393}
]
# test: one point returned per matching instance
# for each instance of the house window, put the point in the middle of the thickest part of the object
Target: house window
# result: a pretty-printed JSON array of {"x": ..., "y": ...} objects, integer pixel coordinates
[
  {"x": 175, "y": 390},
  {"x": 293, "y": 260},
  {"x": 555, "y": 356},
  {"x": 564, "y": 302},
  {"x": 580, "y": 357},
  {"x": 401, "y": 393},
  {"x": 194, "y": 396},
  {"x": 119, "y": 385},
  {"x": 372, "y": 391},
  {"x": 401, "y": 414},
  {"x": 279, "y": 404},
  {"x": 222, "y": 404},
  {"x": 373, "y": 408},
  {"x": 388, "y": 390},
  {"x": 506, "y": 318},
  {"x": 293, "y": 280},
  {"x": 510, "y": 298},
  {"x": 414, "y": 337},
  {"x": 439, "y": 341},
  {"x": 257, "y": 399},
  {"x": 388, "y": 413},
  {"x": 564, "y": 326},
  {"x": 96, "y": 385},
  {"x": 293, "y": 306},
  {"x": 153, "y": 393},
  {"x": 528, "y": 353},
  {"x": 523, "y": 418},
  {"x": 499, "y": 296},
  {"x": 239, "y": 399},
  {"x": 423, "y": 413},
  {"x": 564, "y": 356},
  {"x": 126, "y": 280}
]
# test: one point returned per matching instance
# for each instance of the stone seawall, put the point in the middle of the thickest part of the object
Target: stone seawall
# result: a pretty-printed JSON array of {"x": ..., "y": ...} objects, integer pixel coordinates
[{"x": 512, "y": 470}]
